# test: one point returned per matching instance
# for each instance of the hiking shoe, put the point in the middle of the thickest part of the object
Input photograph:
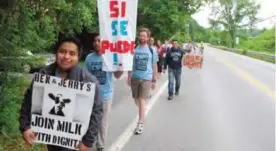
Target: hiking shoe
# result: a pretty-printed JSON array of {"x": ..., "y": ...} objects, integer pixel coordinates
[
  {"x": 139, "y": 129},
  {"x": 170, "y": 97}
]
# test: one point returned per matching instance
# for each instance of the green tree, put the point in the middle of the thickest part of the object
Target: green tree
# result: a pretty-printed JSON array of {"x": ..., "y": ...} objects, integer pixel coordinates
[
  {"x": 232, "y": 14},
  {"x": 166, "y": 18}
]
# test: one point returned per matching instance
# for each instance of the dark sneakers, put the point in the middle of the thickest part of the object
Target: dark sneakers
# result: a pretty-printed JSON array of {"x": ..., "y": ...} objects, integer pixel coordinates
[
  {"x": 100, "y": 149},
  {"x": 171, "y": 95}
]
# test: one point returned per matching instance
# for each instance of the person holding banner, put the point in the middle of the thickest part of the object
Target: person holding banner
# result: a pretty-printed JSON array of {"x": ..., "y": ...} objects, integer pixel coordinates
[
  {"x": 152, "y": 44},
  {"x": 174, "y": 61},
  {"x": 73, "y": 79},
  {"x": 143, "y": 76},
  {"x": 94, "y": 64}
]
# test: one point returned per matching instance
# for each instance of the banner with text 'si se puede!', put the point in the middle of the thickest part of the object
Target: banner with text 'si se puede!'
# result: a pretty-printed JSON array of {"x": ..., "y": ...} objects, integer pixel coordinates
[{"x": 117, "y": 20}]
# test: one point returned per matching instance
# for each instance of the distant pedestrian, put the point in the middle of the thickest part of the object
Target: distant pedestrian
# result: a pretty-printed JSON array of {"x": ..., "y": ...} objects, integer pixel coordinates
[
  {"x": 174, "y": 62},
  {"x": 161, "y": 56}
]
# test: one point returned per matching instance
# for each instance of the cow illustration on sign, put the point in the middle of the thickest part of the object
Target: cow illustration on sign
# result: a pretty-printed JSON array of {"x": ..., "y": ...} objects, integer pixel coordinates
[{"x": 59, "y": 104}]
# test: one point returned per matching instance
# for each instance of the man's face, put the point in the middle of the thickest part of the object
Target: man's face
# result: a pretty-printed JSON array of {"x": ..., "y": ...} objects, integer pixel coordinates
[
  {"x": 175, "y": 44},
  {"x": 67, "y": 55},
  {"x": 143, "y": 37},
  {"x": 151, "y": 41},
  {"x": 97, "y": 43}
]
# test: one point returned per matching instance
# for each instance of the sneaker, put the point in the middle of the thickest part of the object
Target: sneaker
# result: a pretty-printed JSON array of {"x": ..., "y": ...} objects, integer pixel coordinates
[
  {"x": 177, "y": 93},
  {"x": 170, "y": 97},
  {"x": 100, "y": 149},
  {"x": 139, "y": 129}
]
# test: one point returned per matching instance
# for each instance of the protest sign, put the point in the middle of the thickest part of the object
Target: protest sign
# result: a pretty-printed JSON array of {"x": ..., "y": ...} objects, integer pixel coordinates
[
  {"x": 117, "y": 20},
  {"x": 61, "y": 110},
  {"x": 192, "y": 61}
]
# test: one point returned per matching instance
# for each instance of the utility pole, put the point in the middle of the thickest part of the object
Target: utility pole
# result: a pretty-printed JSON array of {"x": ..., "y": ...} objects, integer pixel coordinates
[{"x": 234, "y": 28}]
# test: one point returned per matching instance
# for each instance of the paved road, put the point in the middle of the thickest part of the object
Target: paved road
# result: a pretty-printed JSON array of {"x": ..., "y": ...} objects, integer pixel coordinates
[{"x": 227, "y": 106}]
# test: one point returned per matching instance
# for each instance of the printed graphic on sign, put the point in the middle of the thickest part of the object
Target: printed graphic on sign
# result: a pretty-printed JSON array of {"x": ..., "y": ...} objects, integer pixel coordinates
[
  {"x": 61, "y": 110},
  {"x": 59, "y": 105},
  {"x": 193, "y": 61},
  {"x": 141, "y": 61},
  {"x": 117, "y": 20}
]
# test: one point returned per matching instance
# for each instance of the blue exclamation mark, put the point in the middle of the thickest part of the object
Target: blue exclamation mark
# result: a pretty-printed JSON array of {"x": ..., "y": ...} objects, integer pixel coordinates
[{"x": 115, "y": 59}]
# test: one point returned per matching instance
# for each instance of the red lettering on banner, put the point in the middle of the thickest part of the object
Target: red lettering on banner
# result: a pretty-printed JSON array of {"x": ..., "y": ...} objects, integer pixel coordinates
[
  {"x": 114, "y": 10},
  {"x": 120, "y": 47},
  {"x": 132, "y": 47},
  {"x": 123, "y": 9}
]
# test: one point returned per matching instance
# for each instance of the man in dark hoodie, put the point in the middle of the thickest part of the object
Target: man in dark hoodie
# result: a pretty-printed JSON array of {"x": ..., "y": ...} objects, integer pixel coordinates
[
  {"x": 174, "y": 61},
  {"x": 65, "y": 67}
]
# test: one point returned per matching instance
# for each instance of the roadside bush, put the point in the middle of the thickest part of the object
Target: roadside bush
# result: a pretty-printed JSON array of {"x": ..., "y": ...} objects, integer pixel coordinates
[
  {"x": 244, "y": 52},
  {"x": 37, "y": 61},
  {"x": 11, "y": 94}
]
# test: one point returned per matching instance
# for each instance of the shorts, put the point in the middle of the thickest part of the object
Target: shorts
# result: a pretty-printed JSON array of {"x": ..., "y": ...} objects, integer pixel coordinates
[{"x": 140, "y": 88}]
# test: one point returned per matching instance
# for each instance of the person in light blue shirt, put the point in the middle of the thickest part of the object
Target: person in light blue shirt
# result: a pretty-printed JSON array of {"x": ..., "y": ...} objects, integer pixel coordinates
[
  {"x": 94, "y": 64},
  {"x": 143, "y": 61},
  {"x": 143, "y": 76}
]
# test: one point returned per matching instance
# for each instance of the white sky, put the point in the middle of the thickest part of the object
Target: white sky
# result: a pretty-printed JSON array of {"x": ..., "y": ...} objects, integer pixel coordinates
[{"x": 268, "y": 9}]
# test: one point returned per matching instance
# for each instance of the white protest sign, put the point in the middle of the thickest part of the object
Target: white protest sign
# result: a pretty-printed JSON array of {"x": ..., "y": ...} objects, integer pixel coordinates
[
  {"x": 61, "y": 110},
  {"x": 117, "y": 20}
]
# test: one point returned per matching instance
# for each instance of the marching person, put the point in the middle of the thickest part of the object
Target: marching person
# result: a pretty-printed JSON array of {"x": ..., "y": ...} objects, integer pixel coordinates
[
  {"x": 65, "y": 67},
  {"x": 174, "y": 61},
  {"x": 94, "y": 64},
  {"x": 143, "y": 76},
  {"x": 161, "y": 55}
]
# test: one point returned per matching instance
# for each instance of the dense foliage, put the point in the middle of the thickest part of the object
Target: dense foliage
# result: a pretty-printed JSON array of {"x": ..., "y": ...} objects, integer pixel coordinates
[{"x": 263, "y": 42}]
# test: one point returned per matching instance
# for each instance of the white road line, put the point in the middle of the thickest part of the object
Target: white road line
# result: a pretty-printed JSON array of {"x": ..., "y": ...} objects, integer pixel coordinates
[{"x": 126, "y": 135}]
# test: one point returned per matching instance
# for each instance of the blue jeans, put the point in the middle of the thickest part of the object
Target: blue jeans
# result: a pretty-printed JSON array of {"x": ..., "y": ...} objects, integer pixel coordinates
[{"x": 174, "y": 76}]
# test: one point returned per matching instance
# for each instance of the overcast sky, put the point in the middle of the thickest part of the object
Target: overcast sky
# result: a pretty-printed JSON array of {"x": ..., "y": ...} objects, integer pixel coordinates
[{"x": 268, "y": 9}]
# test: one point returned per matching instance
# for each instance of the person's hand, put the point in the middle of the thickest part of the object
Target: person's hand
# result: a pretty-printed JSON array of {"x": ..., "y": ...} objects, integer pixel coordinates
[
  {"x": 129, "y": 81},
  {"x": 83, "y": 147},
  {"x": 153, "y": 86},
  {"x": 29, "y": 136}
]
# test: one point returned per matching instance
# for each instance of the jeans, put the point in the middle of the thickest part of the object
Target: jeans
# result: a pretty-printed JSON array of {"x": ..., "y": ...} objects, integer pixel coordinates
[
  {"x": 174, "y": 76},
  {"x": 104, "y": 124}
]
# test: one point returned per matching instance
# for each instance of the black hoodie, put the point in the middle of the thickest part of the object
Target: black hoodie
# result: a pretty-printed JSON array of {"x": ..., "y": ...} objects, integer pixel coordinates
[{"x": 174, "y": 58}]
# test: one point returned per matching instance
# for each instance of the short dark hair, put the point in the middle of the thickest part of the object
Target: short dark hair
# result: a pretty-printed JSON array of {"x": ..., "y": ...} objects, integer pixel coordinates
[
  {"x": 69, "y": 39},
  {"x": 174, "y": 40},
  {"x": 96, "y": 35}
]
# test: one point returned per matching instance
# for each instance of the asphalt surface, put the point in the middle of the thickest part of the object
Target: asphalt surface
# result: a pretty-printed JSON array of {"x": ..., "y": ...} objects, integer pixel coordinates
[{"x": 228, "y": 105}]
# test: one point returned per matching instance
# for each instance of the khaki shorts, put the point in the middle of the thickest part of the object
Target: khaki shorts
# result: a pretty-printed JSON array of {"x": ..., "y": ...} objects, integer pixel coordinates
[{"x": 140, "y": 88}]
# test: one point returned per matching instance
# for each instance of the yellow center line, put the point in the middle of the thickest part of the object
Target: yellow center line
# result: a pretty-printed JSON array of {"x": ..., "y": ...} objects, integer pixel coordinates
[{"x": 249, "y": 78}]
